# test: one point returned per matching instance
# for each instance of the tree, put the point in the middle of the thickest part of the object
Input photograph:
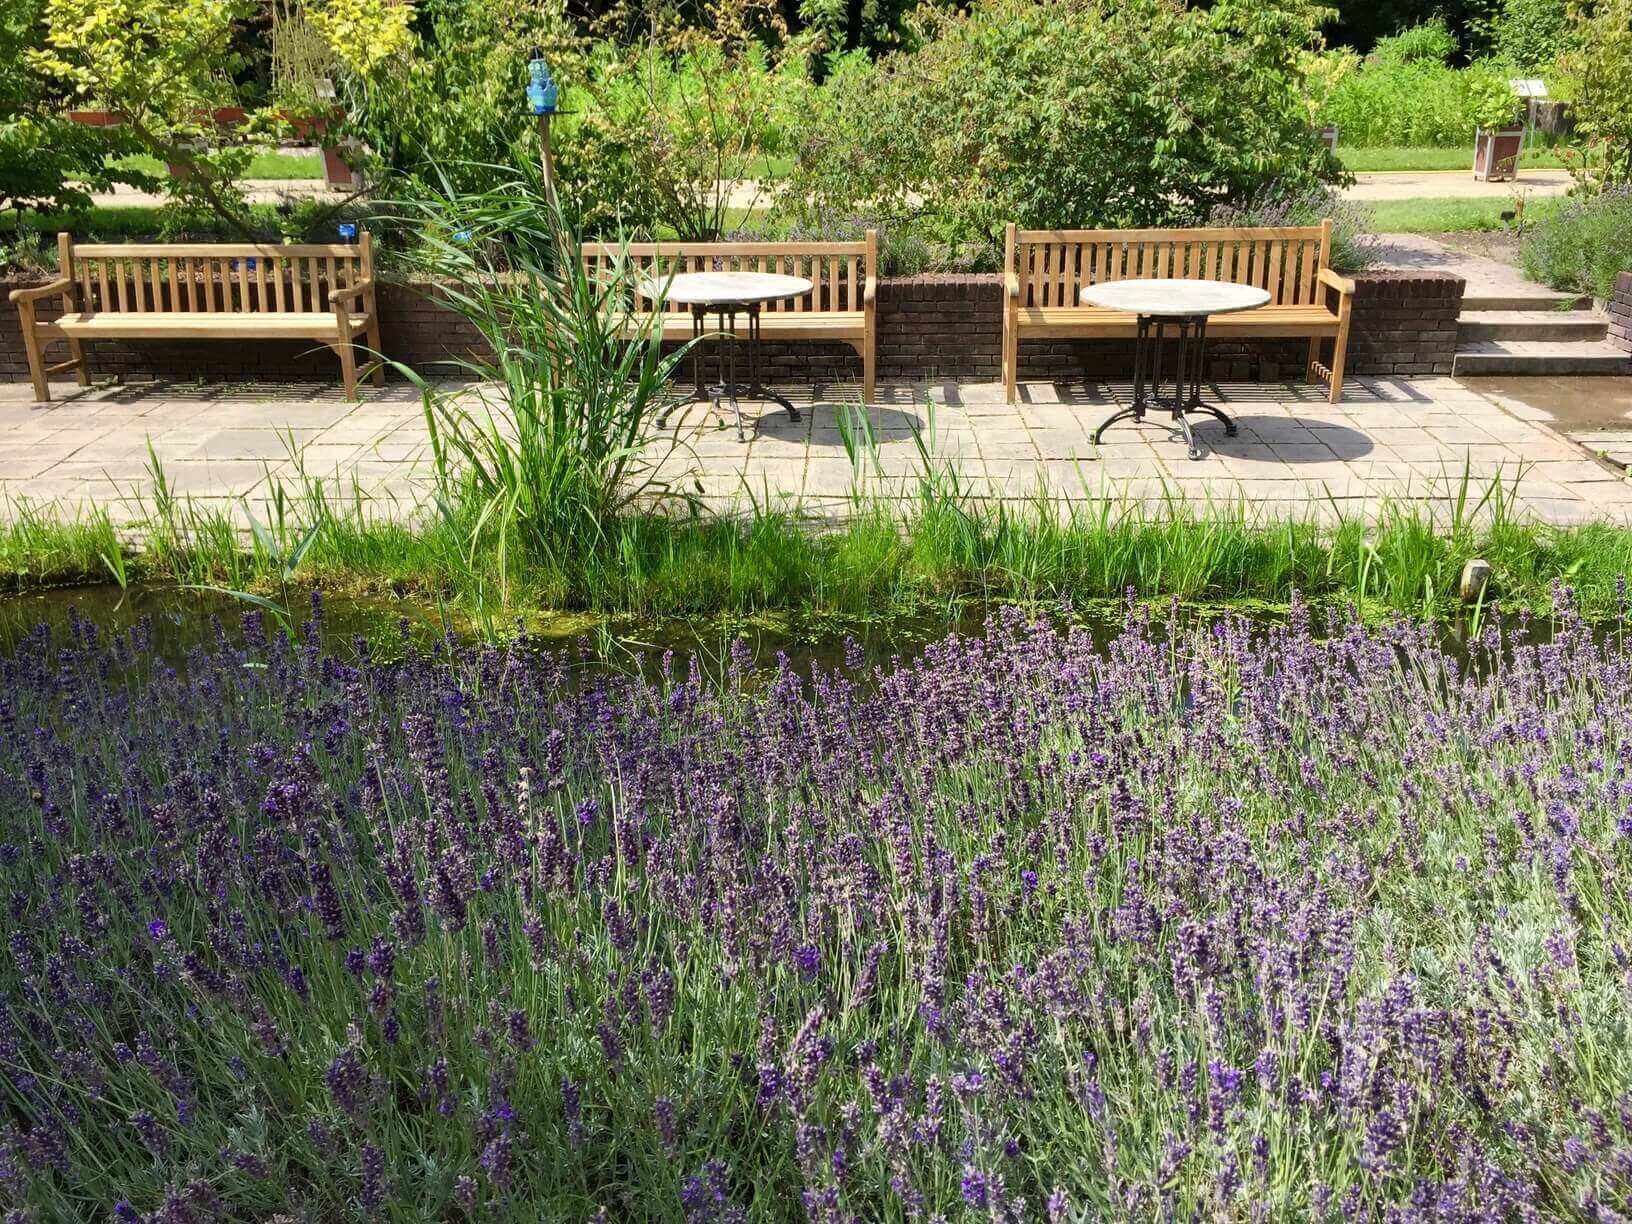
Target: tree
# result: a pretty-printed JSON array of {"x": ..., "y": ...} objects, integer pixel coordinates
[
  {"x": 165, "y": 67},
  {"x": 168, "y": 69},
  {"x": 46, "y": 160},
  {"x": 1532, "y": 33}
]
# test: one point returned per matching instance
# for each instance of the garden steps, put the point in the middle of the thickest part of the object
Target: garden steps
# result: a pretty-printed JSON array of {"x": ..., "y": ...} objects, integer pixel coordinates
[
  {"x": 1531, "y": 325},
  {"x": 1530, "y": 297},
  {"x": 1540, "y": 357}
]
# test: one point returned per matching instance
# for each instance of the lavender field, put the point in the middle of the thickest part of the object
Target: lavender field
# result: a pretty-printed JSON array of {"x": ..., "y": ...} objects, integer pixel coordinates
[{"x": 1218, "y": 922}]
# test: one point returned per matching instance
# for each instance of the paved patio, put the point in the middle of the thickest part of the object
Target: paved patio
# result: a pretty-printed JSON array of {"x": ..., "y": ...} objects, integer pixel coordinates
[{"x": 1390, "y": 439}]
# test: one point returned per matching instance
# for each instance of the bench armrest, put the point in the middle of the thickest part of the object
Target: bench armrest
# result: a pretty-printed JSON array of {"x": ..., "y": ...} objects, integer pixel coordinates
[
  {"x": 869, "y": 291},
  {"x": 1333, "y": 281},
  {"x": 60, "y": 285},
  {"x": 1011, "y": 284},
  {"x": 340, "y": 295}
]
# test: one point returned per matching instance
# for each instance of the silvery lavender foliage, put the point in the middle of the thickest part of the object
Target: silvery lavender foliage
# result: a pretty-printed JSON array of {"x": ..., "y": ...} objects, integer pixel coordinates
[{"x": 1211, "y": 923}]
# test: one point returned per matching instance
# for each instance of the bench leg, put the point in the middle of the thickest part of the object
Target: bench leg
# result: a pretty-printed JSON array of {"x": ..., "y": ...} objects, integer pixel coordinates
[
  {"x": 379, "y": 352},
  {"x": 1010, "y": 355},
  {"x": 35, "y": 352},
  {"x": 1309, "y": 374},
  {"x": 1339, "y": 354},
  {"x": 348, "y": 366},
  {"x": 76, "y": 350}
]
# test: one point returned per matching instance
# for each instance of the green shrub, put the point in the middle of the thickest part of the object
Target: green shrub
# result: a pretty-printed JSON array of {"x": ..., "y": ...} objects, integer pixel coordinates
[
  {"x": 1428, "y": 43},
  {"x": 1416, "y": 104},
  {"x": 455, "y": 102},
  {"x": 1065, "y": 112},
  {"x": 1584, "y": 247},
  {"x": 671, "y": 122}
]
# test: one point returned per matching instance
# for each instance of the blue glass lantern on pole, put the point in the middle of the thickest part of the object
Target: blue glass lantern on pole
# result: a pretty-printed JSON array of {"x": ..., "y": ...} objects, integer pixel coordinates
[{"x": 541, "y": 98}]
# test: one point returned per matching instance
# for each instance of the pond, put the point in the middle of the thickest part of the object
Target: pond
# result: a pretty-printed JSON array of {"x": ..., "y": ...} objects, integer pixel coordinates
[{"x": 181, "y": 619}]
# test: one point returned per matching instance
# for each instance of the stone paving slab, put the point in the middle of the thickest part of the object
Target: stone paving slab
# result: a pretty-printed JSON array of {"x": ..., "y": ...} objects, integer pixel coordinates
[{"x": 1390, "y": 440}]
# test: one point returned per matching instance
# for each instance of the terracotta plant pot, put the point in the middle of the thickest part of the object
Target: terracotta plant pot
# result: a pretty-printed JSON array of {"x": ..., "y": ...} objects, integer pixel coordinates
[
  {"x": 337, "y": 172},
  {"x": 1496, "y": 153},
  {"x": 306, "y": 126}
]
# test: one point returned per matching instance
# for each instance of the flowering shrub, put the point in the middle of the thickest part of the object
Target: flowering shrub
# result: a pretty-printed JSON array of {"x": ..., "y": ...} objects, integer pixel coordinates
[
  {"x": 1586, "y": 246},
  {"x": 1206, "y": 924},
  {"x": 1354, "y": 237}
]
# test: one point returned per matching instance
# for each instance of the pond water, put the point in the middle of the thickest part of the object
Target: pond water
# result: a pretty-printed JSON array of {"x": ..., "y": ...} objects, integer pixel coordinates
[{"x": 182, "y": 619}]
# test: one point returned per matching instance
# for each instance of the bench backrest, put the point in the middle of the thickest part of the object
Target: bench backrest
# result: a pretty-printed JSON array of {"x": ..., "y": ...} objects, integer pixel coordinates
[
  {"x": 1053, "y": 266},
  {"x": 212, "y": 278},
  {"x": 837, "y": 270}
]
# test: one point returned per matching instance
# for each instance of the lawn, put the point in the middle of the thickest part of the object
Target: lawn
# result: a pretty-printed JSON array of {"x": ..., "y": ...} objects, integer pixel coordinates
[
  {"x": 1537, "y": 158},
  {"x": 1438, "y": 216},
  {"x": 277, "y": 165}
]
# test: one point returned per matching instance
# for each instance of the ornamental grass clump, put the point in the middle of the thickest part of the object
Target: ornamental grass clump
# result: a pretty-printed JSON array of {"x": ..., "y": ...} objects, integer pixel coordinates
[{"x": 1213, "y": 922}]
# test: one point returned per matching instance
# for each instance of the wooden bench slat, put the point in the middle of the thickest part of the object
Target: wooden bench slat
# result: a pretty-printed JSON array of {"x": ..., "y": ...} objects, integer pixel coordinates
[
  {"x": 701, "y": 250},
  {"x": 235, "y": 250},
  {"x": 1218, "y": 233}
]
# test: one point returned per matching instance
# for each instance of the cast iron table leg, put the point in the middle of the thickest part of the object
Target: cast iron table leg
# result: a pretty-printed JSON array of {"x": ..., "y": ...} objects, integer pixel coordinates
[
  {"x": 1149, "y": 360},
  {"x": 756, "y": 389},
  {"x": 725, "y": 358},
  {"x": 699, "y": 388}
]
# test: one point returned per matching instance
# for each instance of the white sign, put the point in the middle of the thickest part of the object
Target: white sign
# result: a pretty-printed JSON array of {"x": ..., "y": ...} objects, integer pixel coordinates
[{"x": 1529, "y": 87}]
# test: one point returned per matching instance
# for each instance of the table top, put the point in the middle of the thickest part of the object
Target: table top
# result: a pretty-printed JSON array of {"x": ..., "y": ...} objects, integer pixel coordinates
[
  {"x": 1174, "y": 297},
  {"x": 731, "y": 288}
]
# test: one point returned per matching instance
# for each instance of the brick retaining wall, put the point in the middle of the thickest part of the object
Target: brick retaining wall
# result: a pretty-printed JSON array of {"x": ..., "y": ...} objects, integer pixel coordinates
[
  {"x": 1404, "y": 322},
  {"x": 935, "y": 327},
  {"x": 1620, "y": 313}
]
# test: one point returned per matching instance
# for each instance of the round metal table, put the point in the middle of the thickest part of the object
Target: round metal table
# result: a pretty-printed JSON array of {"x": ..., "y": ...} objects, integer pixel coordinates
[
  {"x": 1171, "y": 309},
  {"x": 727, "y": 295}
]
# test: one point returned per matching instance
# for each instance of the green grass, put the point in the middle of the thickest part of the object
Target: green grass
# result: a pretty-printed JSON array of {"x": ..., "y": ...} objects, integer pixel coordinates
[
  {"x": 930, "y": 555},
  {"x": 1435, "y": 216},
  {"x": 1362, "y": 160},
  {"x": 261, "y": 166}
]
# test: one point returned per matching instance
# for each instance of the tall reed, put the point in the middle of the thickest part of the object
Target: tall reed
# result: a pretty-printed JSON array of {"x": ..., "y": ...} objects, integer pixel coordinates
[{"x": 554, "y": 438}]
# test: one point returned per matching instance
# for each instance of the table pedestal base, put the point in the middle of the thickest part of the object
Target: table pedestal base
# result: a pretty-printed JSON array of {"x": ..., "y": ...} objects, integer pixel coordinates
[
  {"x": 726, "y": 388},
  {"x": 1149, "y": 374}
]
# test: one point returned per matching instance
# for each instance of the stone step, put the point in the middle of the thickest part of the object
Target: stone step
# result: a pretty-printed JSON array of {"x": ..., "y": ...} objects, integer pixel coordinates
[
  {"x": 1531, "y": 325},
  {"x": 1540, "y": 357},
  {"x": 1529, "y": 298}
]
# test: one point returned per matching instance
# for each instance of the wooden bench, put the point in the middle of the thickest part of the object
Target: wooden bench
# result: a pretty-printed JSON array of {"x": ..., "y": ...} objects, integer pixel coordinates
[
  {"x": 216, "y": 291},
  {"x": 840, "y": 307},
  {"x": 1047, "y": 269}
]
